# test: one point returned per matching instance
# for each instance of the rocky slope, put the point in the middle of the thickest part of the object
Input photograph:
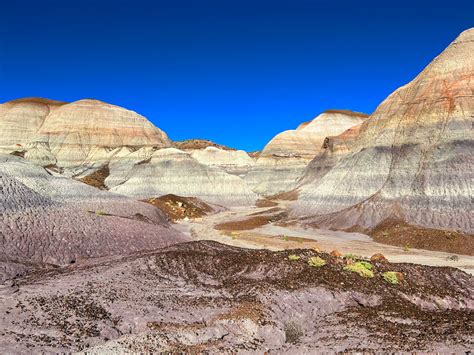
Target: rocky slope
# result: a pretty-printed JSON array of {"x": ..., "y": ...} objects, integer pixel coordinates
[
  {"x": 411, "y": 160},
  {"x": 284, "y": 159},
  {"x": 55, "y": 220},
  {"x": 206, "y": 297},
  {"x": 81, "y": 134},
  {"x": 183, "y": 208},
  {"x": 194, "y": 144}
]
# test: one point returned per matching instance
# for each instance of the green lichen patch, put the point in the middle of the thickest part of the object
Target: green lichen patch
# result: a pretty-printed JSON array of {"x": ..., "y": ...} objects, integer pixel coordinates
[
  {"x": 316, "y": 261},
  {"x": 362, "y": 268},
  {"x": 392, "y": 277},
  {"x": 367, "y": 265}
]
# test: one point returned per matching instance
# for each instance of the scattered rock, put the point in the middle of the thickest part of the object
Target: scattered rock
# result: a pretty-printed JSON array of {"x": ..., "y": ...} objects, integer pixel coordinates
[{"x": 378, "y": 258}]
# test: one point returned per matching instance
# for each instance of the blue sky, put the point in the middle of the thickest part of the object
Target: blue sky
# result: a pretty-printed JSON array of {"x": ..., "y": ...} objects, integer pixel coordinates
[{"x": 233, "y": 71}]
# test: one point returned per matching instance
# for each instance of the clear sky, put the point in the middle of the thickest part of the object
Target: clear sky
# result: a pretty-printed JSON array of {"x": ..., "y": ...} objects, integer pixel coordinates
[{"x": 233, "y": 71}]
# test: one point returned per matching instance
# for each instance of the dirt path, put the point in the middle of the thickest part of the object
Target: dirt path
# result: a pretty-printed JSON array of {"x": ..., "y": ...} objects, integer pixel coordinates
[{"x": 275, "y": 237}]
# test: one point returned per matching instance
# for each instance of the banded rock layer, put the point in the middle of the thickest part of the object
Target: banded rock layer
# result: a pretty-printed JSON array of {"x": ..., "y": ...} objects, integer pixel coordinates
[
  {"x": 285, "y": 157},
  {"x": 411, "y": 161},
  {"x": 149, "y": 173},
  {"x": 236, "y": 162},
  {"x": 71, "y": 135},
  {"x": 85, "y": 137}
]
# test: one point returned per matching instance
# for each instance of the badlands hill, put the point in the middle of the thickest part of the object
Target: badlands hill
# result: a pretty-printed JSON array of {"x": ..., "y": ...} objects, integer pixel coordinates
[
  {"x": 72, "y": 135},
  {"x": 144, "y": 174},
  {"x": 90, "y": 139},
  {"x": 410, "y": 162},
  {"x": 55, "y": 220},
  {"x": 99, "y": 269},
  {"x": 284, "y": 159}
]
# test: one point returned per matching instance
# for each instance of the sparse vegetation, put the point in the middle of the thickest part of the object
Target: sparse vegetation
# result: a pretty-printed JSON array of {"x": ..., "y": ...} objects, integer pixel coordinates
[
  {"x": 452, "y": 258},
  {"x": 391, "y": 277},
  {"x": 316, "y": 261},
  {"x": 99, "y": 213},
  {"x": 363, "y": 268},
  {"x": 351, "y": 256},
  {"x": 367, "y": 265},
  {"x": 406, "y": 247},
  {"x": 293, "y": 332},
  {"x": 293, "y": 257}
]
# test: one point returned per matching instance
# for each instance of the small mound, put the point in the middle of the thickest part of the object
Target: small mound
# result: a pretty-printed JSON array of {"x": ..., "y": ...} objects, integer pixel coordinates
[
  {"x": 399, "y": 233},
  {"x": 178, "y": 207}
]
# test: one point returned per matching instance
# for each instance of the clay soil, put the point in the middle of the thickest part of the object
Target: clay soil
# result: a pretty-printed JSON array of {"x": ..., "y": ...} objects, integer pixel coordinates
[
  {"x": 244, "y": 224},
  {"x": 265, "y": 203},
  {"x": 285, "y": 196},
  {"x": 253, "y": 295},
  {"x": 97, "y": 178},
  {"x": 401, "y": 234}
]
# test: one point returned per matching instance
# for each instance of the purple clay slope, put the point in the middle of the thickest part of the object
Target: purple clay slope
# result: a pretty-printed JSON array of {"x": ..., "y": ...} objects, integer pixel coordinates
[{"x": 56, "y": 220}]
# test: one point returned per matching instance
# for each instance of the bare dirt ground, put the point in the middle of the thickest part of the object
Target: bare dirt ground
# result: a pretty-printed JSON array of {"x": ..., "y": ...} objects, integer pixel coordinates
[
  {"x": 274, "y": 236},
  {"x": 207, "y": 297}
]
